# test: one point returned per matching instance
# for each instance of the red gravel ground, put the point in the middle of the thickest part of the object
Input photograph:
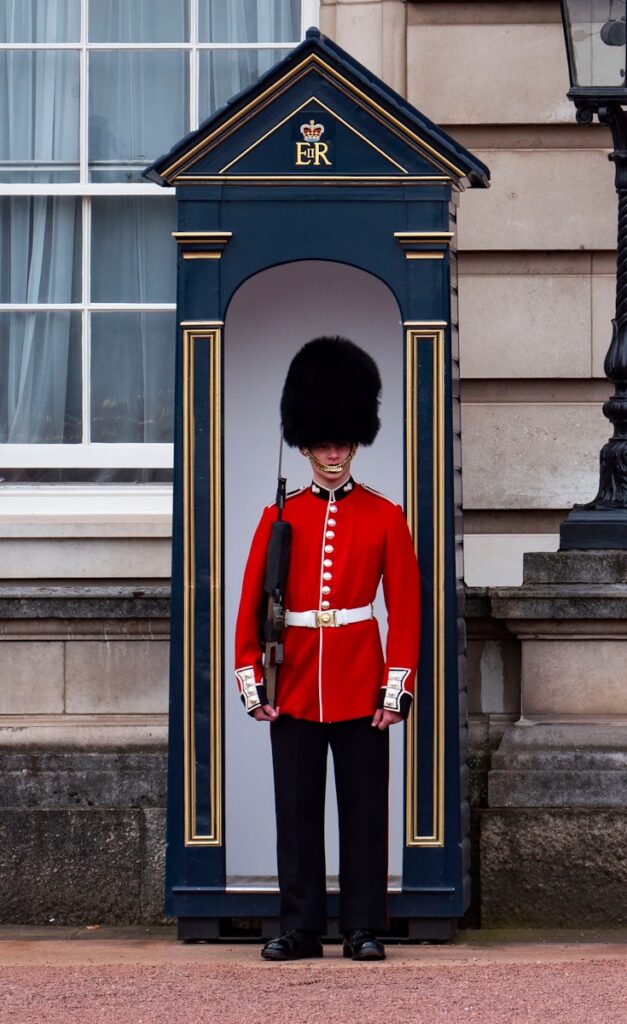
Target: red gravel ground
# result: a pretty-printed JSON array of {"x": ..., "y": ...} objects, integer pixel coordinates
[{"x": 150, "y": 979}]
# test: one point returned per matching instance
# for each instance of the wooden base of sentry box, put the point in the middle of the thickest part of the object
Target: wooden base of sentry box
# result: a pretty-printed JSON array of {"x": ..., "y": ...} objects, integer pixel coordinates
[{"x": 259, "y": 929}]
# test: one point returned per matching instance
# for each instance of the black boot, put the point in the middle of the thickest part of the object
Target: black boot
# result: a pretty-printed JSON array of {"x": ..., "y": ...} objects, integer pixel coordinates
[
  {"x": 293, "y": 944},
  {"x": 361, "y": 944}
]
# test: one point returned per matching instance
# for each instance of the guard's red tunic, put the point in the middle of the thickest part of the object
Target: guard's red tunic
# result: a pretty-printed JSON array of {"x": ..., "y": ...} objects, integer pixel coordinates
[{"x": 343, "y": 543}]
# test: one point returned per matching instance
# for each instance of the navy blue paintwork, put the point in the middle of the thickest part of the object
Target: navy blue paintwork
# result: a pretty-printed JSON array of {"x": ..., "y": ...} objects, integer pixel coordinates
[
  {"x": 346, "y": 207},
  {"x": 336, "y": 58}
]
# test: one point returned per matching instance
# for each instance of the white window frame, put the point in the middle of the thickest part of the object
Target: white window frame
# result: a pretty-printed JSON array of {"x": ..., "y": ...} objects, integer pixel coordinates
[{"x": 88, "y": 454}]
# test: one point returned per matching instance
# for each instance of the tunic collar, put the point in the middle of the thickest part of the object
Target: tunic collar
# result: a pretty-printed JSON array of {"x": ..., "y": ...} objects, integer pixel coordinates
[{"x": 337, "y": 494}]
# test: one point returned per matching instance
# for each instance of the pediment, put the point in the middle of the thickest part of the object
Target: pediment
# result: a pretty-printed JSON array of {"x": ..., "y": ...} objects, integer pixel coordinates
[{"x": 318, "y": 116}]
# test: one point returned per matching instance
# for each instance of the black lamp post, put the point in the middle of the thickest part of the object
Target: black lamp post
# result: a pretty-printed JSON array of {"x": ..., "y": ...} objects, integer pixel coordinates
[{"x": 596, "y": 41}]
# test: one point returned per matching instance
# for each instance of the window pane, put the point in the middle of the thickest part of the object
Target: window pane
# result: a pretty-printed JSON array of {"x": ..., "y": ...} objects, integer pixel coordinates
[
  {"x": 38, "y": 116},
  {"x": 133, "y": 254},
  {"x": 40, "y": 21},
  {"x": 138, "y": 21},
  {"x": 40, "y": 249},
  {"x": 249, "y": 21},
  {"x": 137, "y": 109},
  {"x": 132, "y": 376},
  {"x": 224, "y": 73},
  {"x": 40, "y": 378}
]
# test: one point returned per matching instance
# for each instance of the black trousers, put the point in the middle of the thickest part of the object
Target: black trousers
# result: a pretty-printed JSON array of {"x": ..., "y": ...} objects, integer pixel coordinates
[{"x": 361, "y": 762}]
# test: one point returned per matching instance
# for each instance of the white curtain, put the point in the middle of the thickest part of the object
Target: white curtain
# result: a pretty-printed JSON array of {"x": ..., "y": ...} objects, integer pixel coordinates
[
  {"x": 249, "y": 21},
  {"x": 137, "y": 99},
  {"x": 132, "y": 377},
  {"x": 137, "y": 109},
  {"x": 40, "y": 21},
  {"x": 40, "y": 262},
  {"x": 38, "y": 236},
  {"x": 39, "y": 101},
  {"x": 132, "y": 353},
  {"x": 224, "y": 73},
  {"x": 139, "y": 21}
]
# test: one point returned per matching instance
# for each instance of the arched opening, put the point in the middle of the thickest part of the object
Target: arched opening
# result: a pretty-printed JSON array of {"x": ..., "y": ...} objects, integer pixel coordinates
[{"x": 270, "y": 316}]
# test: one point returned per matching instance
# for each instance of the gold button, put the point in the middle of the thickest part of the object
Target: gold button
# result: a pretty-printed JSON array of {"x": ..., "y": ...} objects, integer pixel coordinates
[
  {"x": 330, "y": 534},
  {"x": 326, "y": 590},
  {"x": 332, "y": 508},
  {"x": 325, "y": 604},
  {"x": 328, "y": 548},
  {"x": 327, "y": 576},
  {"x": 330, "y": 522},
  {"x": 328, "y": 562}
]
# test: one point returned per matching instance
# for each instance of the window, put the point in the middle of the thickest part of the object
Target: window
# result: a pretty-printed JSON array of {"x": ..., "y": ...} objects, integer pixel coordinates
[{"x": 91, "y": 91}]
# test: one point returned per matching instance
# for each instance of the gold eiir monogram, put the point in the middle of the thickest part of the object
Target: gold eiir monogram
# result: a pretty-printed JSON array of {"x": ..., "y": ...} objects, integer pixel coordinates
[{"x": 311, "y": 151}]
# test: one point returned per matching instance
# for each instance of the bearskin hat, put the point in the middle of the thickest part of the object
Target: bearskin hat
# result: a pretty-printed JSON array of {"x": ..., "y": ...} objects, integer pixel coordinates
[{"x": 331, "y": 393}]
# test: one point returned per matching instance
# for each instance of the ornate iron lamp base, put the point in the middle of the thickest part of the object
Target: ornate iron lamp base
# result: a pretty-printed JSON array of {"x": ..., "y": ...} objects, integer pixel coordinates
[
  {"x": 602, "y": 523},
  {"x": 594, "y": 529}
]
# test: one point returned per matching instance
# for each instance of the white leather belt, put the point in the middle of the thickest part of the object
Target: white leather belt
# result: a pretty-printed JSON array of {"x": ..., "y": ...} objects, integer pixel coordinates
[{"x": 331, "y": 617}]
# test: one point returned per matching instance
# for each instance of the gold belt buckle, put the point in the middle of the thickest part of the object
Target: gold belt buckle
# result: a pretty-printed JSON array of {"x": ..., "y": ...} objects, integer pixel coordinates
[{"x": 326, "y": 618}]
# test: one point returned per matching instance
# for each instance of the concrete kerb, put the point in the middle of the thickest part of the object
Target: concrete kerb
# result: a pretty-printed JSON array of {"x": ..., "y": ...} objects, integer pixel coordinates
[{"x": 57, "y": 946}]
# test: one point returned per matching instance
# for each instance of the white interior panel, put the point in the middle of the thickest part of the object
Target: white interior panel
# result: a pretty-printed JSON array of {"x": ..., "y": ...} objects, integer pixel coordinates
[{"x": 270, "y": 317}]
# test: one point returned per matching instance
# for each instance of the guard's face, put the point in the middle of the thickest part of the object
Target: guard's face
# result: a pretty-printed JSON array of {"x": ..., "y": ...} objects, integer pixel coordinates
[
  {"x": 332, "y": 453},
  {"x": 330, "y": 460}
]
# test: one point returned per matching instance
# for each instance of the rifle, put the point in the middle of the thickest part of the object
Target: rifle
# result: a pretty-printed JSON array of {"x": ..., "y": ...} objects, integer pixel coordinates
[{"x": 277, "y": 566}]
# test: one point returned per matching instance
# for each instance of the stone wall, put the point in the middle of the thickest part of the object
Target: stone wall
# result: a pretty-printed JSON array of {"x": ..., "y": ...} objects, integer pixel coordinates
[
  {"x": 82, "y": 836},
  {"x": 83, "y": 738},
  {"x": 83, "y": 790},
  {"x": 83, "y": 747},
  {"x": 536, "y": 255}
]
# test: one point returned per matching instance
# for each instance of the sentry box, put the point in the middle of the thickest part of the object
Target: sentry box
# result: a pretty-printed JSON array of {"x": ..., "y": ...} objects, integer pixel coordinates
[{"x": 317, "y": 201}]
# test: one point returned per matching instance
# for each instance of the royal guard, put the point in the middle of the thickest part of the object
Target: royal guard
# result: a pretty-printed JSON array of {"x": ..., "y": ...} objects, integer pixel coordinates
[{"x": 335, "y": 687}]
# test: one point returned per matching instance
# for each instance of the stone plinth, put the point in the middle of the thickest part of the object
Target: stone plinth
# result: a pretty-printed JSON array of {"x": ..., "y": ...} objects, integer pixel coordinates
[
  {"x": 570, "y": 616},
  {"x": 84, "y": 664},
  {"x": 560, "y": 766},
  {"x": 82, "y": 836},
  {"x": 83, "y": 735},
  {"x": 553, "y": 834},
  {"x": 554, "y": 867}
]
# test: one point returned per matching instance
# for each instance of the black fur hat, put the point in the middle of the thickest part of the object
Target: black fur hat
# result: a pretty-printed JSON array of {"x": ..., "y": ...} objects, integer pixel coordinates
[{"x": 331, "y": 393}]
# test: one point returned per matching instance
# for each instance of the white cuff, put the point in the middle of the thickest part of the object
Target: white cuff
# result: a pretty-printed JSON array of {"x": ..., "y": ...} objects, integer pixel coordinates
[
  {"x": 248, "y": 687},
  {"x": 394, "y": 689}
]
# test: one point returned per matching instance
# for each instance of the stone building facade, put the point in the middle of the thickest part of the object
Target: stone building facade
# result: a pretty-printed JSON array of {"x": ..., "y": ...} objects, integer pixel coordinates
[{"x": 85, "y": 567}]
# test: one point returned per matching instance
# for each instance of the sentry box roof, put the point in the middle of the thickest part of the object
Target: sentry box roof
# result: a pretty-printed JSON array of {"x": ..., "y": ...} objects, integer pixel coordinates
[{"x": 318, "y": 117}]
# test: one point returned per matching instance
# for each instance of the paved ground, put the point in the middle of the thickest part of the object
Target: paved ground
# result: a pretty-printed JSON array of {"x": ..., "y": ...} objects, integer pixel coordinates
[{"x": 141, "y": 976}]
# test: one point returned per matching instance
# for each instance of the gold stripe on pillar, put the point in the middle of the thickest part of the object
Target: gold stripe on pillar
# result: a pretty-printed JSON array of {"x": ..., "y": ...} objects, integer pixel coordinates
[
  {"x": 205, "y": 333},
  {"x": 415, "y": 336}
]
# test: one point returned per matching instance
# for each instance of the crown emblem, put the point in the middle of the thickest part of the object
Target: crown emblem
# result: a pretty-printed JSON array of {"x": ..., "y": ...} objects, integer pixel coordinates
[{"x": 311, "y": 132}]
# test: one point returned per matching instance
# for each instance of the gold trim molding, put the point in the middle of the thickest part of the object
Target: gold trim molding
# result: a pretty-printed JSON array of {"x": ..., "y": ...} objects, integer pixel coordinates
[
  {"x": 297, "y": 110},
  {"x": 415, "y": 336},
  {"x": 424, "y": 255},
  {"x": 210, "y": 333},
  {"x": 424, "y": 245},
  {"x": 309, "y": 179},
  {"x": 202, "y": 245},
  {"x": 175, "y": 172},
  {"x": 193, "y": 337},
  {"x": 201, "y": 323},
  {"x": 426, "y": 236}
]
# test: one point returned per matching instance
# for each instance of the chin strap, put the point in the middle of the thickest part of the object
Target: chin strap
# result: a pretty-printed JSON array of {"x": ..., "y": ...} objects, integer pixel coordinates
[{"x": 330, "y": 469}]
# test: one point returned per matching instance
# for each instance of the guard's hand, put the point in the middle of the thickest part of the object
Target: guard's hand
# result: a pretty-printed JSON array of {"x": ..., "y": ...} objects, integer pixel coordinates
[
  {"x": 266, "y": 713},
  {"x": 382, "y": 719}
]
